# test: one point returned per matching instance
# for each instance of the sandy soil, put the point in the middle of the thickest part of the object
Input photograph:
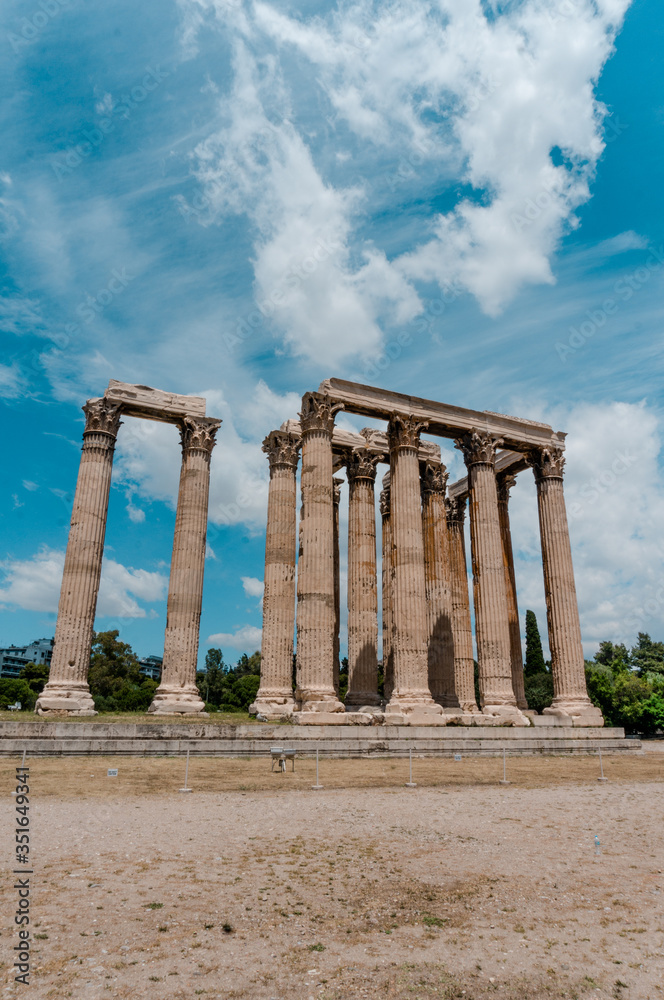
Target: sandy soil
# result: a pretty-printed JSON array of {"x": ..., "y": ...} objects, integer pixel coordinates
[{"x": 462, "y": 889}]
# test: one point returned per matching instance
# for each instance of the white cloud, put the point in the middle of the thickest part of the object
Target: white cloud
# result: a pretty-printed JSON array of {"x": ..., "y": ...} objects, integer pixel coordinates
[
  {"x": 34, "y": 585},
  {"x": 614, "y": 490},
  {"x": 439, "y": 93},
  {"x": 136, "y": 514},
  {"x": 248, "y": 638},
  {"x": 252, "y": 586}
]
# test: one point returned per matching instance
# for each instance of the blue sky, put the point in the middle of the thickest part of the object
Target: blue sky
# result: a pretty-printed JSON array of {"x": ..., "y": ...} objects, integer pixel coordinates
[{"x": 481, "y": 185}]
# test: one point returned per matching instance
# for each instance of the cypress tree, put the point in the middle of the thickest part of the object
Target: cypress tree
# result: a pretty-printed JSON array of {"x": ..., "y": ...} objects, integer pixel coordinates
[{"x": 534, "y": 656}]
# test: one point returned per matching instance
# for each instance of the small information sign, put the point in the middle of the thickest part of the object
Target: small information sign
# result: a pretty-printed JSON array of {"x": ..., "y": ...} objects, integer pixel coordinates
[
  {"x": 457, "y": 756},
  {"x": 112, "y": 772}
]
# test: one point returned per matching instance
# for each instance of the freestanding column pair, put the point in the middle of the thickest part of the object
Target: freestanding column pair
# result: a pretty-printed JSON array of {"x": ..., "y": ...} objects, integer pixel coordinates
[{"x": 67, "y": 689}]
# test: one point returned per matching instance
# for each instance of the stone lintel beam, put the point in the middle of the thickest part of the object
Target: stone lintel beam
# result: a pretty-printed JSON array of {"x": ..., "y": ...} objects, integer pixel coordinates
[
  {"x": 153, "y": 404},
  {"x": 442, "y": 418}
]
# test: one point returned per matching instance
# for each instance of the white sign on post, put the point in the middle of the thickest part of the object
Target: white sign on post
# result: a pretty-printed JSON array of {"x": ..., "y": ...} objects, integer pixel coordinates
[
  {"x": 112, "y": 772},
  {"x": 457, "y": 756}
]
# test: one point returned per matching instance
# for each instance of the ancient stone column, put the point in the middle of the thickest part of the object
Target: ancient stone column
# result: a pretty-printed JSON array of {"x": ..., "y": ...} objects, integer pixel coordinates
[
  {"x": 387, "y": 574},
  {"x": 177, "y": 693},
  {"x": 491, "y": 620},
  {"x": 67, "y": 688},
  {"x": 462, "y": 632},
  {"x": 336, "y": 497},
  {"x": 362, "y": 583},
  {"x": 505, "y": 482},
  {"x": 437, "y": 581},
  {"x": 562, "y": 612},
  {"x": 315, "y": 576},
  {"x": 275, "y": 694},
  {"x": 409, "y": 617}
]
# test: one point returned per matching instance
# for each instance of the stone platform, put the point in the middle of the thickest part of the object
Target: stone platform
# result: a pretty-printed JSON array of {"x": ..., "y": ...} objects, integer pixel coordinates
[{"x": 165, "y": 739}]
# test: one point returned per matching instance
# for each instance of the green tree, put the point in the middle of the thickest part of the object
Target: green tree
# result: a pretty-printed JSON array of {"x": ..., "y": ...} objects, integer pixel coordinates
[
  {"x": 115, "y": 679},
  {"x": 36, "y": 675},
  {"x": 13, "y": 689},
  {"x": 534, "y": 656},
  {"x": 539, "y": 690},
  {"x": 647, "y": 657},
  {"x": 616, "y": 657}
]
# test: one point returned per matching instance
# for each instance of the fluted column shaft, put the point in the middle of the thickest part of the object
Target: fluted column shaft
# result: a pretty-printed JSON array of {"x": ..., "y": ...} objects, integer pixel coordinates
[
  {"x": 505, "y": 483},
  {"x": 387, "y": 574},
  {"x": 362, "y": 583},
  {"x": 336, "y": 497},
  {"x": 437, "y": 582},
  {"x": 67, "y": 688},
  {"x": 462, "y": 632},
  {"x": 409, "y": 634},
  {"x": 177, "y": 693},
  {"x": 315, "y": 581},
  {"x": 567, "y": 665},
  {"x": 275, "y": 694},
  {"x": 489, "y": 593}
]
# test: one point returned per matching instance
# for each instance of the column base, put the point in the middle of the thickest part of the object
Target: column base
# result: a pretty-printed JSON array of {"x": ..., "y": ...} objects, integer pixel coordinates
[
  {"x": 509, "y": 715},
  {"x": 468, "y": 707},
  {"x": 61, "y": 697},
  {"x": 581, "y": 713},
  {"x": 177, "y": 701},
  {"x": 273, "y": 706},
  {"x": 407, "y": 704},
  {"x": 320, "y": 702}
]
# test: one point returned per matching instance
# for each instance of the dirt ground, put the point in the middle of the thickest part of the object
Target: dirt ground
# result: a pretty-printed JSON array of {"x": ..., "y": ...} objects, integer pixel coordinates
[{"x": 254, "y": 886}]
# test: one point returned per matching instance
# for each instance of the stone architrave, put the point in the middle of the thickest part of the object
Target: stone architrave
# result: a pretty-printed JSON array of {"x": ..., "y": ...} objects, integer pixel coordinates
[
  {"x": 489, "y": 592},
  {"x": 337, "y": 483},
  {"x": 177, "y": 693},
  {"x": 315, "y": 580},
  {"x": 462, "y": 633},
  {"x": 570, "y": 696},
  {"x": 438, "y": 588},
  {"x": 275, "y": 694},
  {"x": 505, "y": 482},
  {"x": 411, "y": 692},
  {"x": 67, "y": 688},
  {"x": 362, "y": 583},
  {"x": 387, "y": 574}
]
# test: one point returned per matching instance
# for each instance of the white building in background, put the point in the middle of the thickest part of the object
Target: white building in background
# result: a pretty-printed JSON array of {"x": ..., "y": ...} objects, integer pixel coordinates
[{"x": 14, "y": 658}]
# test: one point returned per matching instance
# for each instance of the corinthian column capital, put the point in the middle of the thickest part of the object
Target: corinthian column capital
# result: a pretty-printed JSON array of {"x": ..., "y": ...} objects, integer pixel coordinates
[
  {"x": 404, "y": 431},
  {"x": 281, "y": 449},
  {"x": 198, "y": 434},
  {"x": 434, "y": 478},
  {"x": 318, "y": 413},
  {"x": 478, "y": 447},
  {"x": 455, "y": 508},
  {"x": 361, "y": 464},
  {"x": 102, "y": 417},
  {"x": 547, "y": 463}
]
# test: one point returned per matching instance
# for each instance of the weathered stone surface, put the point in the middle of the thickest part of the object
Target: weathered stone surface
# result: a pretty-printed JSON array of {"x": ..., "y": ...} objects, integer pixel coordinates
[
  {"x": 567, "y": 665},
  {"x": 177, "y": 691},
  {"x": 440, "y": 649},
  {"x": 315, "y": 582},
  {"x": 67, "y": 688},
  {"x": 505, "y": 482},
  {"x": 275, "y": 694},
  {"x": 153, "y": 404},
  {"x": 362, "y": 583},
  {"x": 464, "y": 663}
]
